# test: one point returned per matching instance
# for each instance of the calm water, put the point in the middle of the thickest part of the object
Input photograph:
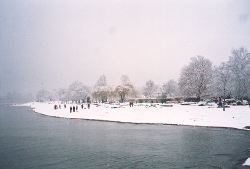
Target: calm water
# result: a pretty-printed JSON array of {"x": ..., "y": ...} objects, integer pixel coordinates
[{"x": 29, "y": 140}]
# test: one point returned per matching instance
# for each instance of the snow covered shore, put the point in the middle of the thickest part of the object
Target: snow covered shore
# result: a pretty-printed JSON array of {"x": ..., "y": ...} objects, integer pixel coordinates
[
  {"x": 247, "y": 162},
  {"x": 234, "y": 117}
]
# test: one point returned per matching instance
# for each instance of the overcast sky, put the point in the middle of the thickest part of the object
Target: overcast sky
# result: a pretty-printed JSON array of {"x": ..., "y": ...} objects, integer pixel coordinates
[{"x": 51, "y": 43}]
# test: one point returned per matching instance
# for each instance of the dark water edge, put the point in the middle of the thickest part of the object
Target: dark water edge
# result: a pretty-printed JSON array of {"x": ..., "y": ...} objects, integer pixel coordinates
[
  {"x": 31, "y": 140},
  {"x": 247, "y": 128}
]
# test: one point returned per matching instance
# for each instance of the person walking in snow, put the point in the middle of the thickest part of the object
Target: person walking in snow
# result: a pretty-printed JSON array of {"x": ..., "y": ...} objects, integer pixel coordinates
[
  {"x": 70, "y": 109},
  {"x": 74, "y": 109},
  {"x": 220, "y": 102},
  {"x": 88, "y": 101}
]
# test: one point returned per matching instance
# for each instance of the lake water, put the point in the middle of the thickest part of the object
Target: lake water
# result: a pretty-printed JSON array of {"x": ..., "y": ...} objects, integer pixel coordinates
[{"x": 32, "y": 141}]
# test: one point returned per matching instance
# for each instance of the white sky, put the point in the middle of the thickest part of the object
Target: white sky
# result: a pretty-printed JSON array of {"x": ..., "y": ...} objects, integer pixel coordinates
[{"x": 51, "y": 43}]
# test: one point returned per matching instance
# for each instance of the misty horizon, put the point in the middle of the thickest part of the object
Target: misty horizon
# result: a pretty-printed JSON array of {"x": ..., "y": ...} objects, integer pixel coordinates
[{"x": 50, "y": 44}]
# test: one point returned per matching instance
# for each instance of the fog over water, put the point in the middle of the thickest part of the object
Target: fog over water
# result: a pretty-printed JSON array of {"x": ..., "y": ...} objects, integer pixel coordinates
[{"x": 50, "y": 43}]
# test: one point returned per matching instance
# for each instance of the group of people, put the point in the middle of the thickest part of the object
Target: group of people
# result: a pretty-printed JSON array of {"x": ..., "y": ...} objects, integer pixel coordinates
[
  {"x": 71, "y": 108},
  {"x": 59, "y": 106},
  {"x": 75, "y": 108}
]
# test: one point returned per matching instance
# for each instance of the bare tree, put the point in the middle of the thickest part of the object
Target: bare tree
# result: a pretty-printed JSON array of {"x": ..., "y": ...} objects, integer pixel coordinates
[
  {"x": 222, "y": 80},
  {"x": 43, "y": 95},
  {"x": 196, "y": 78},
  {"x": 239, "y": 64},
  {"x": 149, "y": 89},
  {"x": 169, "y": 89},
  {"x": 62, "y": 94},
  {"x": 125, "y": 80},
  {"x": 101, "y": 91},
  {"x": 122, "y": 91},
  {"x": 125, "y": 89},
  {"x": 77, "y": 91},
  {"x": 102, "y": 81}
]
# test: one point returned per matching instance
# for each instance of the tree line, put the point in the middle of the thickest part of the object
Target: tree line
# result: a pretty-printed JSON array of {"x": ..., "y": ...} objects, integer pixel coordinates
[{"x": 199, "y": 79}]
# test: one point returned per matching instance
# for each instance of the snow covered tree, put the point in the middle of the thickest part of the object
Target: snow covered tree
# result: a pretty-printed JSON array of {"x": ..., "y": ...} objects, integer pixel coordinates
[
  {"x": 222, "y": 80},
  {"x": 169, "y": 89},
  {"x": 239, "y": 64},
  {"x": 102, "y": 81},
  {"x": 43, "y": 95},
  {"x": 101, "y": 91},
  {"x": 125, "y": 80},
  {"x": 77, "y": 91},
  {"x": 149, "y": 89},
  {"x": 61, "y": 94},
  {"x": 122, "y": 91},
  {"x": 196, "y": 78},
  {"x": 125, "y": 89}
]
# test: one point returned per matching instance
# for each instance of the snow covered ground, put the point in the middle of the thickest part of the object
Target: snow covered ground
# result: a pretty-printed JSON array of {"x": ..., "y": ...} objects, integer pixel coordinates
[
  {"x": 247, "y": 162},
  {"x": 234, "y": 117}
]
